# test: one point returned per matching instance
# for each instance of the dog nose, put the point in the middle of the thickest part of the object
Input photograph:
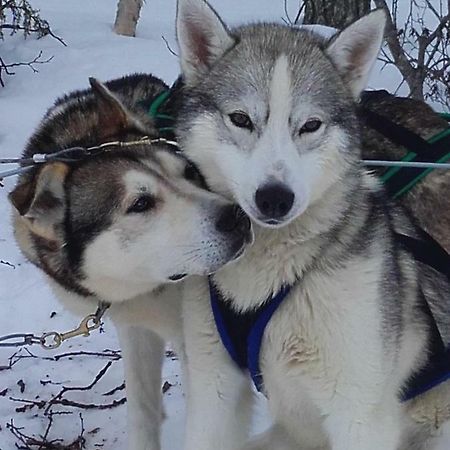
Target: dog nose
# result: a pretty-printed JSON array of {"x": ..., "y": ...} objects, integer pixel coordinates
[
  {"x": 233, "y": 219},
  {"x": 274, "y": 200}
]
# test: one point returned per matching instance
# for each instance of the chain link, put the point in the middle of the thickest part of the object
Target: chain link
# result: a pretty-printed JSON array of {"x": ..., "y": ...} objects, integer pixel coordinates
[
  {"x": 76, "y": 154},
  {"x": 54, "y": 339}
]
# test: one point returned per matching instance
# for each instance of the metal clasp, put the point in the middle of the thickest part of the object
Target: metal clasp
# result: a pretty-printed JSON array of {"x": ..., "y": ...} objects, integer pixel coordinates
[{"x": 53, "y": 339}]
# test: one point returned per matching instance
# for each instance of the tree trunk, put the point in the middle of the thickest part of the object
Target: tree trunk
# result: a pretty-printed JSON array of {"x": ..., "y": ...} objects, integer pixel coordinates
[
  {"x": 335, "y": 13},
  {"x": 127, "y": 17}
]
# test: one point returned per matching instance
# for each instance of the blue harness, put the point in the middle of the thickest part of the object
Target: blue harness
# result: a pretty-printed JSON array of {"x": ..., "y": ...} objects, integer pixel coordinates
[
  {"x": 244, "y": 343},
  {"x": 242, "y": 333}
]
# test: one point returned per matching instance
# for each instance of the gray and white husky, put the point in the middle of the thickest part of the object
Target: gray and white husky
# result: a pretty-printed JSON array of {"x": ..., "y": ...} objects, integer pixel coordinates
[
  {"x": 122, "y": 227},
  {"x": 269, "y": 118}
]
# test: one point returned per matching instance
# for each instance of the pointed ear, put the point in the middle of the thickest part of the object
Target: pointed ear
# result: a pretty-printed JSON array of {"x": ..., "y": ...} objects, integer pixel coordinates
[
  {"x": 202, "y": 37},
  {"x": 113, "y": 115},
  {"x": 355, "y": 50},
  {"x": 42, "y": 202}
]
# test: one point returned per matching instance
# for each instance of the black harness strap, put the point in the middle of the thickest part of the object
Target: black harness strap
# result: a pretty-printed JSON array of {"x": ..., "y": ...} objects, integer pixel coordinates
[
  {"x": 163, "y": 109},
  {"x": 437, "y": 369},
  {"x": 397, "y": 133},
  {"x": 424, "y": 150},
  {"x": 242, "y": 333}
]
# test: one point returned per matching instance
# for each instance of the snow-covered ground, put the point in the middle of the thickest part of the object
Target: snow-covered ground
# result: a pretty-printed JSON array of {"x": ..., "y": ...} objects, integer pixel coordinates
[{"x": 26, "y": 303}]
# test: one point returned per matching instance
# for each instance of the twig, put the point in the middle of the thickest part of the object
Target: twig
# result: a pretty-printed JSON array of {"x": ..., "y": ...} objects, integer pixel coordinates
[
  {"x": 299, "y": 13},
  {"x": 286, "y": 12},
  {"x": 114, "y": 355},
  {"x": 46, "y": 31},
  {"x": 18, "y": 356},
  {"x": 57, "y": 398},
  {"x": 168, "y": 46},
  {"x": 42, "y": 443},
  {"x": 87, "y": 406},
  {"x": 4, "y": 67},
  {"x": 6, "y": 263},
  {"x": 399, "y": 55},
  {"x": 47, "y": 430},
  {"x": 116, "y": 389}
]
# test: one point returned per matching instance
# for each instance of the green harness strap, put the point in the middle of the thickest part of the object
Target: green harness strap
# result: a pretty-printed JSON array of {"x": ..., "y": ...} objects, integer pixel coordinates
[
  {"x": 411, "y": 155},
  {"x": 153, "y": 111}
]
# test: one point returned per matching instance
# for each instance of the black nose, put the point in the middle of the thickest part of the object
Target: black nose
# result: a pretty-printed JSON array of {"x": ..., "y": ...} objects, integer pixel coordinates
[
  {"x": 233, "y": 219},
  {"x": 274, "y": 200}
]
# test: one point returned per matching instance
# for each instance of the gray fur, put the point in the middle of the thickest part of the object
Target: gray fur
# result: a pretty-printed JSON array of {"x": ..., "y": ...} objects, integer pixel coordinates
[{"x": 352, "y": 223}]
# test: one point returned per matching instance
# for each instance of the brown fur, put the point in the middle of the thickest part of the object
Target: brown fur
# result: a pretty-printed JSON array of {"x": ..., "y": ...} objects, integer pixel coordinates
[
  {"x": 87, "y": 118},
  {"x": 429, "y": 200}
]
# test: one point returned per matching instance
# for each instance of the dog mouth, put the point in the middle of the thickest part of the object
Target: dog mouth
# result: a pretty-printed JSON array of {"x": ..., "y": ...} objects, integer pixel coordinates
[
  {"x": 239, "y": 253},
  {"x": 247, "y": 240},
  {"x": 269, "y": 222},
  {"x": 261, "y": 220},
  {"x": 178, "y": 277},
  {"x": 273, "y": 223}
]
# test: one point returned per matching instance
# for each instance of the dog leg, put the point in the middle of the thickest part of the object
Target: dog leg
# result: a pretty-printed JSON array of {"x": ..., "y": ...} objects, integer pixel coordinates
[
  {"x": 275, "y": 437},
  {"x": 219, "y": 397},
  {"x": 357, "y": 427},
  {"x": 143, "y": 352}
]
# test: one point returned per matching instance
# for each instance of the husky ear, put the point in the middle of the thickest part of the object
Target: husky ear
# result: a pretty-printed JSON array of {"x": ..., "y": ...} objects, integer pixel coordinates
[
  {"x": 355, "y": 50},
  {"x": 113, "y": 115},
  {"x": 41, "y": 203},
  {"x": 202, "y": 37}
]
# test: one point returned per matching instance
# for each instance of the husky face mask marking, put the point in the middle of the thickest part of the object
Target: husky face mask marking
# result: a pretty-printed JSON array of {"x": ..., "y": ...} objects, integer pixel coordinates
[
  {"x": 122, "y": 223},
  {"x": 260, "y": 131},
  {"x": 162, "y": 229}
]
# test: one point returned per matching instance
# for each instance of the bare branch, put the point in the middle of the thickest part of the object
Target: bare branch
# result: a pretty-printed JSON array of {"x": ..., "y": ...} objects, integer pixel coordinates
[
  {"x": 5, "y": 67},
  {"x": 6, "y": 263},
  {"x": 168, "y": 46},
  {"x": 9, "y": 26}
]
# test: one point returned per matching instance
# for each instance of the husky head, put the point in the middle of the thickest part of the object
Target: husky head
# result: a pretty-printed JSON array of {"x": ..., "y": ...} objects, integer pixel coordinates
[
  {"x": 268, "y": 113},
  {"x": 122, "y": 223}
]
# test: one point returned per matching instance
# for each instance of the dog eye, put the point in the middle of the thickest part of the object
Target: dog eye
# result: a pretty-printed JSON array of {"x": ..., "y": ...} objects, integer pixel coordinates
[
  {"x": 192, "y": 174},
  {"x": 142, "y": 204},
  {"x": 241, "y": 120},
  {"x": 310, "y": 126}
]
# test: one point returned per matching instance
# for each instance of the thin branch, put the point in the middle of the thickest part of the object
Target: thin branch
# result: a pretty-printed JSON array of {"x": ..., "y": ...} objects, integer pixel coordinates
[
  {"x": 46, "y": 31},
  {"x": 114, "y": 355},
  {"x": 400, "y": 59},
  {"x": 58, "y": 398},
  {"x": 5, "y": 67},
  {"x": 6, "y": 263},
  {"x": 445, "y": 22},
  {"x": 168, "y": 46},
  {"x": 286, "y": 12},
  {"x": 433, "y": 9}
]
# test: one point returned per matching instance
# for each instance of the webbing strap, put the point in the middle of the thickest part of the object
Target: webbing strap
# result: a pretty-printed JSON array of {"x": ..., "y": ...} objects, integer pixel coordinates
[
  {"x": 437, "y": 370},
  {"x": 437, "y": 149},
  {"x": 242, "y": 333}
]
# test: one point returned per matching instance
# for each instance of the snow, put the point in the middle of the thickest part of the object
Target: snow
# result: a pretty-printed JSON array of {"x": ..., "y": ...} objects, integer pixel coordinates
[{"x": 26, "y": 302}]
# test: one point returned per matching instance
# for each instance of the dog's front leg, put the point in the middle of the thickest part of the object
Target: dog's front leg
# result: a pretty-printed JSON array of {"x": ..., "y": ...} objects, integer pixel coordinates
[
  {"x": 219, "y": 398},
  {"x": 142, "y": 352},
  {"x": 354, "y": 426}
]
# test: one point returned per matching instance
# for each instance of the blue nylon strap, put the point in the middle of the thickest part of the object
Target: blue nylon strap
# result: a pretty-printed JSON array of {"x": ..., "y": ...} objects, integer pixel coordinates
[
  {"x": 256, "y": 335},
  {"x": 227, "y": 342},
  {"x": 255, "y": 325},
  {"x": 436, "y": 373}
]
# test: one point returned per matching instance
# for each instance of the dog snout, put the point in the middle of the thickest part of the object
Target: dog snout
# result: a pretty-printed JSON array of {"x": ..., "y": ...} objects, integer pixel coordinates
[
  {"x": 274, "y": 200},
  {"x": 232, "y": 219}
]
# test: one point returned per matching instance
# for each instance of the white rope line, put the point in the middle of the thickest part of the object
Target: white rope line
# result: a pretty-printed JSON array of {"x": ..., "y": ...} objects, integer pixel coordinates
[
  {"x": 74, "y": 154},
  {"x": 413, "y": 164}
]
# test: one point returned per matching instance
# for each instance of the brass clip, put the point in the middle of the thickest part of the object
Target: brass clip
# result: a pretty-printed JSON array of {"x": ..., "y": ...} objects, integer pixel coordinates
[{"x": 53, "y": 339}]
